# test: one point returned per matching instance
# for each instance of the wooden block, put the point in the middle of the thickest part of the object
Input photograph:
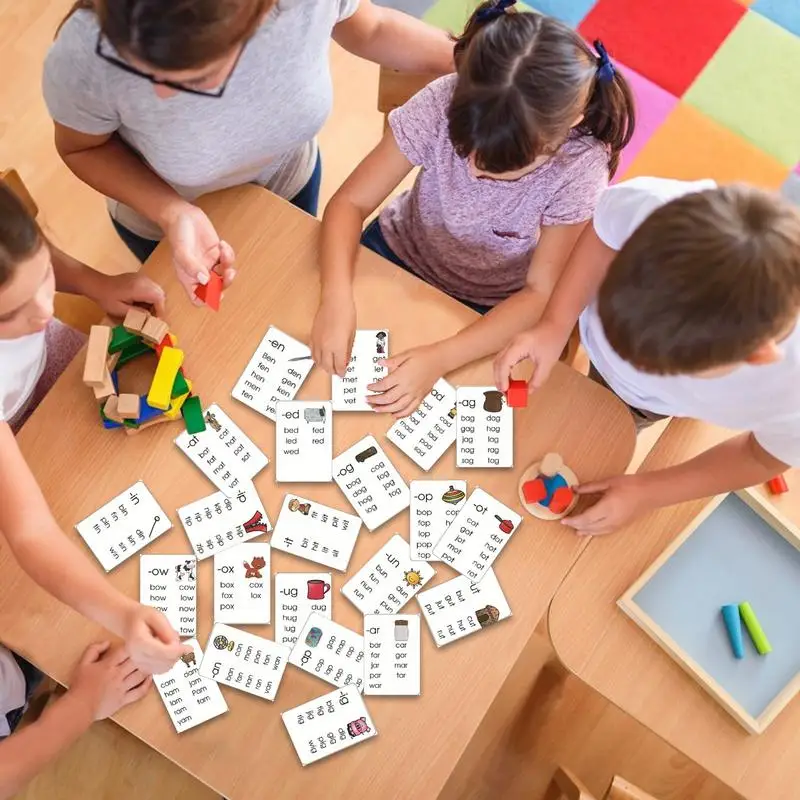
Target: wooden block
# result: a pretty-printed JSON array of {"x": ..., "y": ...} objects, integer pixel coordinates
[
  {"x": 134, "y": 350},
  {"x": 106, "y": 389},
  {"x": 110, "y": 410},
  {"x": 113, "y": 360},
  {"x": 777, "y": 485},
  {"x": 149, "y": 424},
  {"x": 147, "y": 413},
  {"x": 128, "y": 406},
  {"x": 120, "y": 339},
  {"x": 517, "y": 394},
  {"x": 211, "y": 293},
  {"x": 551, "y": 465},
  {"x": 192, "y": 412},
  {"x": 94, "y": 370},
  {"x": 175, "y": 406},
  {"x": 155, "y": 330},
  {"x": 135, "y": 319},
  {"x": 160, "y": 393},
  {"x": 534, "y": 491},
  {"x": 180, "y": 386},
  {"x": 561, "y": 500},
  {"x": 169, "y": 340}
]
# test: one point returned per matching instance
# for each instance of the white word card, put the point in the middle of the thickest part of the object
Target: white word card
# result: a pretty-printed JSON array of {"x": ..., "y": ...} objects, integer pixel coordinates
[
  {"x": 303, "y": 442},
  {"x": 431, "y": 429},
  {"x": 244, "y": 661},
  {"x": 241, "y": 585},
  {"x": 393, "y": 654},
  {"x": 297, "y": 595},
  {"x": 276, "y": 372},
  {"x": 330, "y": 651},
  {"x": 388, "y": 580},
  {"x": 328, "y": 725},
  {"x": 316, "y": 532},
  {"x": 190, "y": 699},
  {"x": 223, "y": 453},
  {"x": 477, "y": 535},
  {"x": 434, "y": 505},
  {"x": 484, "y": 428},
  {"x": 457, "y": 608},
  {"x": 123, "y": 526},
  {"x": 169, "y": 583},
  {"x": 215, "y": 523},
  {"x": 370, "y": 482},
  {"x": 350, "y": 393}
]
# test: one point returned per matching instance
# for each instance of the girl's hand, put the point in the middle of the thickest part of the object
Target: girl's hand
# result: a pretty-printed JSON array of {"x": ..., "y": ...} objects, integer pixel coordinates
[
  {"x": 623, "y": 498},
  {"x": 411, "y": 376},
  {"x": 332, "y": 334},
  {"x": 115, "y": 294},
  {"x": 542, "y": 344},
  {"x": 152, "y": 643}
]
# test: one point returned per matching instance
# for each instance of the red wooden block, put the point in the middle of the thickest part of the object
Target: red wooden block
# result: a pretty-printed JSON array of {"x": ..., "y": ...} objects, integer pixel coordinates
[
  {"x": 165, "y": 342},
  {"x": 562, "y": 497},
  {"x": 534, "y": 491},
  {"x": 211, "y": 293},
  {"x": 517, "y": 394},
  {"x": 777, "y": 485}
]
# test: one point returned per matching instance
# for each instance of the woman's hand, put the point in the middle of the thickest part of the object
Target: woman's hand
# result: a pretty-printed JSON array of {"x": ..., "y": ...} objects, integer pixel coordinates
[
  {"x": 116, "y": 294},
  {"x": 332, "y": 334},
  {"x": 411, "y": 376}
]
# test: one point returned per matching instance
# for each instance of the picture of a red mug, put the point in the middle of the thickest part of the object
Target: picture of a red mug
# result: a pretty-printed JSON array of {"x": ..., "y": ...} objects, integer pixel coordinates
[{"x": 317, "y": 589}]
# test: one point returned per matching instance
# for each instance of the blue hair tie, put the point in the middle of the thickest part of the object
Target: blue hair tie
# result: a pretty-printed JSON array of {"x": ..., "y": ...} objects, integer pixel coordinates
[
  {"x": 494, "y": 11},
  {"x": 605, "y": 69}
]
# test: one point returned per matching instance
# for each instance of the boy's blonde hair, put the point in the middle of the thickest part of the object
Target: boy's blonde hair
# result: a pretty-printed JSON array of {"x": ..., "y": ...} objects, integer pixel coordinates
[{"x": 20, "y": 237}]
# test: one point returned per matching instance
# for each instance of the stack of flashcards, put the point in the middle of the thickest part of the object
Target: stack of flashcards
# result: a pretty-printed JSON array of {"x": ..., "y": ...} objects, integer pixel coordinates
[
  {"x": 477, "y": 535},
  {"x": 223, "y": 453},
  {"x": 303, "y": 442},
  {"x": 350, "y": 393},
  {"x": 275, "y": 372},
  {"x": 388, "y": 580},
  {"x": 434, "y": 505},
  {"x": 457, "y": 608},
  {"x": 169, "y": 583},
  {"x": 484, "y": 428},
  {"x": 297, "y": 595},
  {"x": 330, "y": 651},
  {"x": 123, "y": 526},
  {"x": 316, "y": 532},
  {"x": 393, "y": 654},
  {"x": 189, "y": 698},
  {"x": 329, "y": 724},
  {"x": 217, "y": 522},
  {"x": 430, "y": 430},
  {"x": 244, "y": 661},
  {"x": 370, "y": 482},
  {"x": 241, "y": 585}
]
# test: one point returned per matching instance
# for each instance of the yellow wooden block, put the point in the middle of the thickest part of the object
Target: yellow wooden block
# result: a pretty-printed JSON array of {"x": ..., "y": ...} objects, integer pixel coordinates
[
  {"x": 174, "y": 411},
  {"x": 160, "y": 392}
]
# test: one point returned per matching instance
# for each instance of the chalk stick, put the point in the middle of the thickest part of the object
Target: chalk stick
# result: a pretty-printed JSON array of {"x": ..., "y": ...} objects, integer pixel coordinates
[
  {"x": 754, "y": 629},
  {"x": 733, "y": 624}
]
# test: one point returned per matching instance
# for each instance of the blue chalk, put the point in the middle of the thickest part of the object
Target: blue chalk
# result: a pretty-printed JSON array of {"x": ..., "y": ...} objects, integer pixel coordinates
[
  {"x": 146, "y": 411},
  {"x": 733, "y": 623}
]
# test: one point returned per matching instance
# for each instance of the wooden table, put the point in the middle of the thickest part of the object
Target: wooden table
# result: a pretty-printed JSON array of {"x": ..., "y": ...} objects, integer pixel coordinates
[
  {"x": 80, "y": 465},
  {"x": 606, "y": 650}
]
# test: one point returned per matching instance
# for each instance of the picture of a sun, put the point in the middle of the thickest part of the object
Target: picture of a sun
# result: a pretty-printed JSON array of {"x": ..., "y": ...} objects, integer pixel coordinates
[{"x": 413, "y": 578}]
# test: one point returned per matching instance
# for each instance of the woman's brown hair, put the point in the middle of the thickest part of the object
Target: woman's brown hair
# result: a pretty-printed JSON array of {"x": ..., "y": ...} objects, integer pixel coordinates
[
  {"x": 176, "y": 35},
  {"x": 20, "y": 237},
  {"x": 523, "y": 80}
]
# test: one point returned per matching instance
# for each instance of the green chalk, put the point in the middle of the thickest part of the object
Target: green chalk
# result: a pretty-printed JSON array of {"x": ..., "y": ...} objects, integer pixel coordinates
[
  {"x": 120, "y": 339},
  {"x": 192, "y": 411},
  {"x": 133, "y": 350},
  {"x": 180, "y": 386},
  {"x": 754, "y": 629}
]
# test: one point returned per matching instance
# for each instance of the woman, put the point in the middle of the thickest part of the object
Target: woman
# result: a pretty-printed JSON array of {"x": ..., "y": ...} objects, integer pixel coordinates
[{"x": 157, "y": 103}]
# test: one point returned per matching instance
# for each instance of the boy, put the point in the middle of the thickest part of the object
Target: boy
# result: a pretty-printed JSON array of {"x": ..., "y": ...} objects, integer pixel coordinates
[{"x": 688, "y": 296}]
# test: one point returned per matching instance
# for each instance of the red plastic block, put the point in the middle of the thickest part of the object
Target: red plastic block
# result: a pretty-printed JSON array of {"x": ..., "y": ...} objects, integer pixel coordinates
[
  {"x": 517, "y": 394},
  {"x": 211, "y": 293},
  {"x": 562, "y": 497},
  {"x": 777, "y": 485},
  {"x": 534, "y": 491}
]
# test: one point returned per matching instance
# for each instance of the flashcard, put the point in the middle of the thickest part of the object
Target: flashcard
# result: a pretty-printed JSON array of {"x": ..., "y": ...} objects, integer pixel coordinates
[
  {"x": 215, "y": 523},
  {"x": 190, "y": 699},
  {"x": 316, "y": 532},
  {"x": 297, "y": 595},
  {"x": 457, "y": 608},
  {"x": 241, "y": 585},
  {"x": 430, "y": 430},
  {"x": 434, "y": 504},
  {"x": 244, "y": 661},
  {"x": 484, "y": 428},
  {"x": 276, "y": 372},
  {"x": 388, "y": 580},
  {"x": 329, "y": 724},
  {"x": 330, "y": 651},
  {"x": 223, "y": 453},
  {"x": 370, "y": 482},
  {"x": 471, "y": 544},
  {"x": 303, "y": 442},
  {"x": 350, "y": 393},
  {"x": 393, "y": 654},
  {"x": 169, "y": 584},
  {"x": 123, "y": 526}
]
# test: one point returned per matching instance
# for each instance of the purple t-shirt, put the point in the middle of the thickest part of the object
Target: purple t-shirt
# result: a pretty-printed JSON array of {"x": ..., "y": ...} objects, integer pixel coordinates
[{"x": 473, "y": 238}]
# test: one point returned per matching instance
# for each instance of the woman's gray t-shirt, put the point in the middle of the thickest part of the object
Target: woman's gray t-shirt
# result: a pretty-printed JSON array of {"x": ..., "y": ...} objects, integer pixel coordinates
[{"x": 262, "y": 130}]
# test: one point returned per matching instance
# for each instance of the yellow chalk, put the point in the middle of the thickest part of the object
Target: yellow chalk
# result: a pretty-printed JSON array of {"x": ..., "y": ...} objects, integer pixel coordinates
[{"x": 169, "y": 363}]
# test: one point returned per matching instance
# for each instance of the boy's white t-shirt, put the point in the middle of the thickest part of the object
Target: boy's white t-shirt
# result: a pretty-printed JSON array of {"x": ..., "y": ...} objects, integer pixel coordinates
[
  {"x": 12, "y": 688},
  {"x": 761, "y": 399},
  {"x": 21, "y": 365}
]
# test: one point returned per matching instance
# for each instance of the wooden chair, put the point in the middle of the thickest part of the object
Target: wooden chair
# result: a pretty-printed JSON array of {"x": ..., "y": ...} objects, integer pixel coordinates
[
  {"x": 11, "y": 180},
  {"x": 565, "y": 786},
  {"x": 395, "y": 88}
]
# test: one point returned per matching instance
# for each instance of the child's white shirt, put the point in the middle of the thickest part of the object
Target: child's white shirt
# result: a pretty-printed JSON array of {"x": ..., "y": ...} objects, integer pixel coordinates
[
  {"x": 12, "y": 688},
  {"x": 761, "y": 399},
  {"x": 22, "y": 362}
]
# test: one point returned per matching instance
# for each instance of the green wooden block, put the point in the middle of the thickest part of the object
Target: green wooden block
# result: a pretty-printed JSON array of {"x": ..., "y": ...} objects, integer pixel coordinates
[
  {"x": 133, "y": 350},
  {"x": 180, "y": 386},
  {"x": 192, "y": 412},
  {"x": 120, "y": 339}
]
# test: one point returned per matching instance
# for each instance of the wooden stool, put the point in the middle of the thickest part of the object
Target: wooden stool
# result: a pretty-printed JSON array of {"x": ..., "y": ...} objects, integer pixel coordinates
[{"x": 565, "y": 786}]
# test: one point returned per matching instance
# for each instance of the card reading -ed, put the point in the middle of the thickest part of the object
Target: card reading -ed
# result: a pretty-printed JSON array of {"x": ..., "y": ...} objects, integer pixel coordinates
[{"x": 303, "y": 442}]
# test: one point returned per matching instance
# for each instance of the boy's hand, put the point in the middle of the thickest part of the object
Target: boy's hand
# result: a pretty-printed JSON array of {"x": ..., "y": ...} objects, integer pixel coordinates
[
  {"x": 332, "y": 335},
  {"x": 624, "y": 498},
  {"x": 411, "y": 376},
  {"x": 151, "y": 641},
  {"x": 115, "y": 294},
  {"x": 542, "y": 344}
]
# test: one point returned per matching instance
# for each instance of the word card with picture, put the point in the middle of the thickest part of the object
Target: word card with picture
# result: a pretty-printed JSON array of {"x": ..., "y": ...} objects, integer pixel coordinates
[
  {"x": 328, "y": 725},
  {"x": 484, "y": 428},
  {"x": 169, "y": 583},
  {"x": 316, "y": 532},
  {"x": 216, "y": 523},
  {"x": 472, "y": 542},
  {"x": 298, "y": 595},
  {"x": 190, "y": 699},
  {"x": 350, "y": 392},
  {"x": 456, "y": 608},
  {"x": 430, "y": 430},
  {"x": 434, "y": 505},
  {"x": 370, "y": 482},
  {"x": 388, "y": 580},
  {"x": 393, "y": 654},
  {"x": 276, "y": 372},
  {"x": 330, "y": 651},
  {"x": 123, "y": 526},
  {"x": 303, "y": 442},
  {"x": 241, "y": 585},
  {"x": 244, "y": 661}
]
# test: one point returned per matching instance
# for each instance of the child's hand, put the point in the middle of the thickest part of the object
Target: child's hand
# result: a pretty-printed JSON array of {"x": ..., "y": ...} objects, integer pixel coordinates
[
  {"x": 106, "y": 679},
  {"x": 411, "y": 376},
  {"x": 332, "y": 335},
  {"x": 542, "y": 344},
  {"x": 152, "y": 643},
  {"x": 624, "y": 498},
  {"x": 115, "y": 294}
]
